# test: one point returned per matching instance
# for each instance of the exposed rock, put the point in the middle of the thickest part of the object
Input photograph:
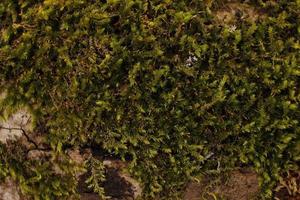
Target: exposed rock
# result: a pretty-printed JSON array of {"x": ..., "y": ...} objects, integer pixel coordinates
[
  {"x": 79, "y": 156},
  {"x": 11, "y": 129},
  {"x": 118, "y": 185},
  {"x": 89, "y": 196},
  {"x": 37, "y": 154},
  {"x": 117, "y": 164},
  {"x": 239, "y": 185},
  {"x": 6, "y": 134},
  {"x": 135, "y": 185},
  {"x": 9, "y": 191},
  {"x": 230, "y": 11}
]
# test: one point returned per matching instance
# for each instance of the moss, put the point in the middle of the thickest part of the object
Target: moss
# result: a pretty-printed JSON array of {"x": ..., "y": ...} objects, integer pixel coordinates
[{"x": 164, "y": 85}]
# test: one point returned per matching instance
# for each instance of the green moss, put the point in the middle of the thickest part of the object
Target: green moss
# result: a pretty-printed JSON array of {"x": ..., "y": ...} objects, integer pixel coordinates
[{"x": 162, "y": 84}]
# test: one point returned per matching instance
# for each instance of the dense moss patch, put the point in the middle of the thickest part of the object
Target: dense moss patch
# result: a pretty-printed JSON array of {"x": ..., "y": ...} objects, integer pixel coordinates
[{"x": 163, "y": 85}]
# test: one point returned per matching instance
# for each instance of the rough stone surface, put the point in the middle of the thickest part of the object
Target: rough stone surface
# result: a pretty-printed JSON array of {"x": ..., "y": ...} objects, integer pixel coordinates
[
  {"x": 89, "y": 196},
  {"x": 79, "y": 156},
  {"x": 10, "y": 129},
  {"x": 239, "y": 185},
  {"x": 134, "y": 184},
  {"x": 229, "y": 12},
  {"x": 37, "y": 154},
  {"x": 9, "y": 191},
  {"x": 118, "y": 185}
]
